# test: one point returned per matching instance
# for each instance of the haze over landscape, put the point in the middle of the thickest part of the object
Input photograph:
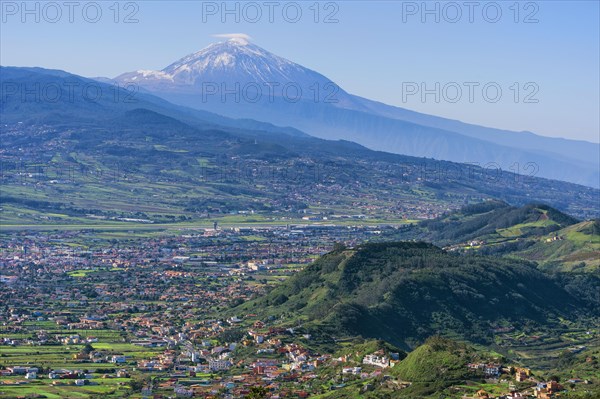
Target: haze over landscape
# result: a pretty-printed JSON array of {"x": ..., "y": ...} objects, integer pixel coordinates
[
  {"x": 290, "y": 200},
  {"x": 551, "y": 44}
]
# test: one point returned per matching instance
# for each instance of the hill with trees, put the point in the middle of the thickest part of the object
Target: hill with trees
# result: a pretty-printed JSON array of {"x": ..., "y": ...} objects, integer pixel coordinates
[{"x": 403, "y": 292}]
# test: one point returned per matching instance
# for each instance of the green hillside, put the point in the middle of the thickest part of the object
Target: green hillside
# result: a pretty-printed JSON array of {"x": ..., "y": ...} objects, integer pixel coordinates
[
  {"x": 574, "y": 248},
  {"x": 403, "y": 292},
  {"x": 494, "y": 221},
  {"x": 438, "y": 359},
  {"x": 536, "y": 232}
]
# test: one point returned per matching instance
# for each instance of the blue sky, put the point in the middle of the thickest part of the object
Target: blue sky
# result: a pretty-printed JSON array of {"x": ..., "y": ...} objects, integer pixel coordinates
[{"x": 375, "y": 49}]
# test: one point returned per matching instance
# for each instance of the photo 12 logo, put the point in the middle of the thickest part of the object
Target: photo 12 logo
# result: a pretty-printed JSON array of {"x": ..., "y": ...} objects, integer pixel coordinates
[
  {"x": 460, "y": 92},
  {"x": 54, "y": 173},
  {"x": 254, "y": 12},
  {"x": 515, "y": 172},
  {"x": 68, "y": 92},
  {"x": 453, "y": 12},
  {"x": 54, "y": 12},
  {"x": 255, "y": 92}
]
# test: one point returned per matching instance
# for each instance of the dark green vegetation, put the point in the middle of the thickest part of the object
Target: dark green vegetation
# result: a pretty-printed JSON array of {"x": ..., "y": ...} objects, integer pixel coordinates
[
  {"x": 404, "y": 292},
  {"x": 437, "y": 360},
  {"x": 133, "y": 156}
]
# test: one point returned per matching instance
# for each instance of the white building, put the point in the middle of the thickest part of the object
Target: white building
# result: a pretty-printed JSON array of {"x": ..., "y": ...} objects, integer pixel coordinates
[
  {"x": 351, "y": 370},
  {"x": 374, "y": 360},
  {"x": 218, "y": 364},
  {"x": 118, "y": 359}
]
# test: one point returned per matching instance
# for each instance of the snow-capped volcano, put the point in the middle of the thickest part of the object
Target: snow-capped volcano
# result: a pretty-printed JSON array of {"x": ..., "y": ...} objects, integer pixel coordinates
[
  {"x": 237, "y": 62},
  {"x": 239, "y": 58}
]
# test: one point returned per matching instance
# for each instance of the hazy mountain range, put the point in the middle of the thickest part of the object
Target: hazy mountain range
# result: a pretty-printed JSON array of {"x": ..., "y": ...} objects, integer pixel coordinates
[
  {"x": 238, "y": 79},
  {"x": 210, "y": 163}
]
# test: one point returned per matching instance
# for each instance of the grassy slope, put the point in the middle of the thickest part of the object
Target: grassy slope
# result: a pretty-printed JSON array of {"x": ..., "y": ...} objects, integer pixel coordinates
[
  {"x": 528, "y": 232},
  {"x": 578, "y": 250}
]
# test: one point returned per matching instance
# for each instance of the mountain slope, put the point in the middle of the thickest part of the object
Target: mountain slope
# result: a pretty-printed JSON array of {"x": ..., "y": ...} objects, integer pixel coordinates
[
  {"x": 493, "y": 221},
  {"x": 575, "y": 249},
  {"x": 239, "y": 79},
  {"x": 58, "y": 96},
  {"x": 534, "y": 232},
  {"x": 574, "y": 150},
  {"x": 404, "y": 292}
]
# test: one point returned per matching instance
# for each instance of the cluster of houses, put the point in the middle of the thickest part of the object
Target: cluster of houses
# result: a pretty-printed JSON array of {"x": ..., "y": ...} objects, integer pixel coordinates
[
  {"x": 547, "y": 390},
  {"x": 538, "y": 389},
  {"x": 541, "y": 390},
  {"x": 377, "y": 360},
  {"x": 58, "y": 377},
  {"x": 491, "y": 370},
  {"x": 30, "y": 373}
]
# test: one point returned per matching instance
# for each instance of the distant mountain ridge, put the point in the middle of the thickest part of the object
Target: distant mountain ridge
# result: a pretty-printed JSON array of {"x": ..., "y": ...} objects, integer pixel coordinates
[
  {"x": 17, "y": 106},
  {"x": 239, "y": 79},
  {"x": 209, "y": 163}
]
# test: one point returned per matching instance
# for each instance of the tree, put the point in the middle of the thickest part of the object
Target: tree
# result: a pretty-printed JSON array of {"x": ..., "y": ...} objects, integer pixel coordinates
[
  {"x": 257, "y": 393},
  {"x": 137, "y": 384},
  {"x": 87, "y": 349},
  {"x": 338, "y": 247}
]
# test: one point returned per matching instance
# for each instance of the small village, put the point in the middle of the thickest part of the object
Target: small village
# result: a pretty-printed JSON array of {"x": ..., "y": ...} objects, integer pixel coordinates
[{"x": 194, "y": 362}]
